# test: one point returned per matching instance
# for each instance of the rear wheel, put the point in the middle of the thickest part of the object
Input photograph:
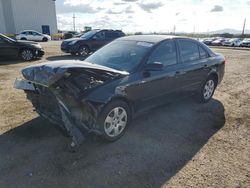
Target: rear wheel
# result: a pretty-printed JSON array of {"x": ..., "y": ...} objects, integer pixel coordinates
[
  {"x": 23, "y": 38},
  {"x": 83, "y": 51},
  {"x": 27, "y": 55},
  {"x": 207, "y": 90},
  {"x": 114, "y": 120}
]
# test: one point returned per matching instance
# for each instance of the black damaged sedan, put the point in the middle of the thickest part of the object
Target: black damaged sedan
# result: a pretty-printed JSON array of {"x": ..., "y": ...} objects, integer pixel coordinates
[
  {"x": 25, "y": 50},
  {"x": 129, "y": 75}
]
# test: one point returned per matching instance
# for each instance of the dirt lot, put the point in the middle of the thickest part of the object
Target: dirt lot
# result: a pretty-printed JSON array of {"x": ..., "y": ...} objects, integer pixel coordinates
[{"x": 184, "y": 144}]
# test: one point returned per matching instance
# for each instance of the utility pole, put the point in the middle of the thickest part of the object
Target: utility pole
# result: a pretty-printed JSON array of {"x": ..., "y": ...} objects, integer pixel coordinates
[
  {"x": 244, "y": 25},
  {"x": 174, "y": 29},
  {"x": 74, "y": 22}
]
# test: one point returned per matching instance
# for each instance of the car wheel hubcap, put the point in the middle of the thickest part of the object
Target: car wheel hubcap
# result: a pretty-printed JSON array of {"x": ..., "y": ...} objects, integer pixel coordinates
[
  {"x": 115, "y": 122},
  {"x": 208, "y": 89},
  {"x": 27, "y": 55},
  {"x": 83, "y": 51}
]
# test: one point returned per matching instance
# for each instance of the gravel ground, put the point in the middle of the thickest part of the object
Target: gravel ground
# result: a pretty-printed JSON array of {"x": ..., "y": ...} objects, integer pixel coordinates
[{"x": 184, "y": 144}]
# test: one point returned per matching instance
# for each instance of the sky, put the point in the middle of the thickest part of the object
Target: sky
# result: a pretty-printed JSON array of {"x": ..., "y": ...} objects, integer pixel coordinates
[{"x": 154, "y": 15}]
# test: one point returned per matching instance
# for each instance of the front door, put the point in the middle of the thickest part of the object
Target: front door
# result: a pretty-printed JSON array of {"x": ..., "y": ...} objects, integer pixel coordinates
[
  {"x": 98, "y": 40},
  {"x": 156, "y": 87},
  {"x": 8, "y": 48}
]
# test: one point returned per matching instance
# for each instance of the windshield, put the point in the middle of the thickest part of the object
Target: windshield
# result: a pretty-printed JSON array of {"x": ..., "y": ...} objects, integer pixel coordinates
[
  {"x": 7, "y": 38},
  {"x": 89, "y": 34},
  {"x": 121, "y": 55}
]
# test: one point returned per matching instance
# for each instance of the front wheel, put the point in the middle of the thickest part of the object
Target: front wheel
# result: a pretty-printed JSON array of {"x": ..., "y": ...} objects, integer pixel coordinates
[
  {"x": 207, "y": 90},
  {"x": 45, "y": 39},
  {"x": 83, "y": 51},
  {"x": 114, "y": 120},
  {"x": 27, "y": 55}
]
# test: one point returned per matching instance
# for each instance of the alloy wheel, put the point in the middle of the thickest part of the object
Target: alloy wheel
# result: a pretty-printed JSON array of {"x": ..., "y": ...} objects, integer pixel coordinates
[
  {"x": 208, "y": 89},
  {"x": 115, "y": 122},
  {"x": 27, "y": 55}
]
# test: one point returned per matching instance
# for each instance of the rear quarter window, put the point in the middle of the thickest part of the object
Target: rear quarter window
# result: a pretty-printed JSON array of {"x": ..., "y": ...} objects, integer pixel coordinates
[{"x": 203, "y": 53}]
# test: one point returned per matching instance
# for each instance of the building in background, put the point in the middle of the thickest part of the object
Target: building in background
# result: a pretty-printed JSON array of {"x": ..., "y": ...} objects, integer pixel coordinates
[{"x": 18, "y": 15}]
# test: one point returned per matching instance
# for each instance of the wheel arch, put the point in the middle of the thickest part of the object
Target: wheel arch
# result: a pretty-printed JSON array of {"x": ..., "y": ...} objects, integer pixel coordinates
[
  {"x": 124, "y": 99},
  {"x": 215, "y": 76}
]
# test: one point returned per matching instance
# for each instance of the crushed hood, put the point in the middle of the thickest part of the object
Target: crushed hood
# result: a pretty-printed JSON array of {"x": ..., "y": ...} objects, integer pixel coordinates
[{"x": 48, "y": 73}]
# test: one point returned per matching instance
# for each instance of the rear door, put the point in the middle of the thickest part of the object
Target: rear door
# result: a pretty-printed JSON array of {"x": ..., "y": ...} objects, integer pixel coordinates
[{"x": 195, "y": 64}]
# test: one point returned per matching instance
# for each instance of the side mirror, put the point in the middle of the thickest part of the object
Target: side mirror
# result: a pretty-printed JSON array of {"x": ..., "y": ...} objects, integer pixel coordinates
[{"x": 155, "y": 66}]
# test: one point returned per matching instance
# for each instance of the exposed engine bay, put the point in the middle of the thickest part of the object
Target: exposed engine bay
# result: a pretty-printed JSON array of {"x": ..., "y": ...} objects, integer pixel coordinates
[{"x": 60, "y": 98}]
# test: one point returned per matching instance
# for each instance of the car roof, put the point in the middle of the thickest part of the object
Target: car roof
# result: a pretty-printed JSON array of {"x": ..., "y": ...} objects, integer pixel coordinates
[{"x": 150, "y": 38}]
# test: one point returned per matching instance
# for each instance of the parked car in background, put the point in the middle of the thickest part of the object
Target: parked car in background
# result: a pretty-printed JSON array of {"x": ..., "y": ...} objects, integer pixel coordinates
[
  {"x": 218, "y": 42},
  {"x": 208, "y": 41},
  {"x": 32, "y": 36},
  {"x": 232, "y": 42},
  {"x": 245, "y": 43},
  {"x": 90, "y": 41},
  {"x": 71, "y": 34},
  {"x": 122, "y": 79},
  {"x": 25, "y": 50}
]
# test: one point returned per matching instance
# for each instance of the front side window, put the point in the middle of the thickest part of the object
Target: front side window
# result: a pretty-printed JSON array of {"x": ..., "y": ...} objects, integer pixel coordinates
[
  {"x": 165, "y": 53},
  {"x": 100, "y": 36},
  {"x": 188, "y": 51}
]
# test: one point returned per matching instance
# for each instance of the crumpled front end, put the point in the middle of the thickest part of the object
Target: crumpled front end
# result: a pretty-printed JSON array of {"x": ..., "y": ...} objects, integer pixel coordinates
[{"x": 57, "y": 94}]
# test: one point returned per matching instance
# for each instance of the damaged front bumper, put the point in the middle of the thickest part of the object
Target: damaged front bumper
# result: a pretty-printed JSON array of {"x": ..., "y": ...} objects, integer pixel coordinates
[{"x": 76, "y": 120}]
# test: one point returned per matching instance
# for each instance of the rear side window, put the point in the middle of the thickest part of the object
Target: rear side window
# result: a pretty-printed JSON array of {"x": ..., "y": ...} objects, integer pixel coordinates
[
  {"x": 165, "y": 53},
  {"x": 111, "y": 35},
  {"x": 188, "y": 51},
  {"x": 203, "y": 53}
]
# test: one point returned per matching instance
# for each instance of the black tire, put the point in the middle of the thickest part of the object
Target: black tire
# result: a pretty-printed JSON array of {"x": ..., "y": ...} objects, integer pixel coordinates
[
  {"x": 107, "y": 113},
  {"x": 73, "y": 53},
  {"x": 206, "y": 92},
  {"x": 23, "y": 38},
  {"x": 83, "y": 51},
  {"x": 45, "y": 39},
  {"x": 27, "y": 55}
]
